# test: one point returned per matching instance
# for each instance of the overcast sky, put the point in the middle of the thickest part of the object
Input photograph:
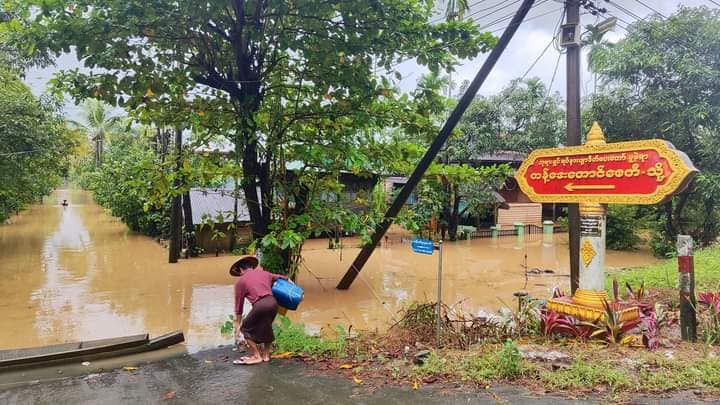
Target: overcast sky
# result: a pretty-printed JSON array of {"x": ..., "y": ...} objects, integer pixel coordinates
[{"x": 530, "y": 40}]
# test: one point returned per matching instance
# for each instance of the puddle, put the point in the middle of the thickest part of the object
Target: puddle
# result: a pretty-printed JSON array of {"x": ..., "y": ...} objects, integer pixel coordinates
[{"x": 76, "y": 273}]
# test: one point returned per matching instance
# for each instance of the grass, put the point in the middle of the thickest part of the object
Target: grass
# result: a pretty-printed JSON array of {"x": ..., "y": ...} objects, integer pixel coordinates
[
  {"x": 664, "y": 275},
  {"x": 583, "y": 374},
  {"x": 623, "y": 372},
  {"x": 291, "y": 337},
  {"x": 500, "y": 363}
]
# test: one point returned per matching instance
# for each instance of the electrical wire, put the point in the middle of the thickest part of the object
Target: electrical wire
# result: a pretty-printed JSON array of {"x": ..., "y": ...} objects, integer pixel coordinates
[
  {"x": 625, "y": 10},
  {"x": 531, "y": 18},
  {"x": 384, "y": 70},
  {"x": 651, "y": 9}
]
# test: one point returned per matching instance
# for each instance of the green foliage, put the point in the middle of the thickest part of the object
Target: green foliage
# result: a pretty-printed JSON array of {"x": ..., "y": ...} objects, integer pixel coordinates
[
  {"x": 509, "y": 360},
  {"x": 281, "y": 81},
  {"x": 481, "y": 368},
  {"x": 583, "y": 374},
  {"x": 664, "y": 274},
  {"x": 622, "y": 227},
  {"x": 562, "y": 223},
  {"x": 228, "y": 327},
  {"x": 36, "y": 149},
  {"x": 291, "y": 337},
  {"x": 523, "y": 117},
  {"x": 661, "y": 81},
  {"x": 123, "y": 184}
]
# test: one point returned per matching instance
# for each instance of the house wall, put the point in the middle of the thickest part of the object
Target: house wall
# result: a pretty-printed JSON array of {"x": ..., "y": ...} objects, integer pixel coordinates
[
  {"x": 209, "y": 246},
  {"x": 527, "y": 213}
]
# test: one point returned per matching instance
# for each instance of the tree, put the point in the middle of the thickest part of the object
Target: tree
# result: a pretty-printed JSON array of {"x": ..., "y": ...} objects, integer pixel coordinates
[
  {"x": 35, "y": 145},
  {"x": 98, "y": 122},
  {"x": 661, "y": 81},
  {"x": 278, "y": 78},
  {"x": 523, "y": 117},
  {"x": 451, "y": 188},
  {"x": 121, "y": 183}
]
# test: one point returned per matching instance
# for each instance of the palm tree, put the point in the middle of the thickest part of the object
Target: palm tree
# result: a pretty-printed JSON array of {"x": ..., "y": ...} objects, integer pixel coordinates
[
  {"x": 98, "y": 121},
  {"x": 456, "y": 8},
  {"x": 594, "y": 39}
]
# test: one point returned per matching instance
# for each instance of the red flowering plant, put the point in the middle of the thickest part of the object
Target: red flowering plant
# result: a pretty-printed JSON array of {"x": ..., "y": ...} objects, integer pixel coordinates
[{"x": 710, "y": 319}]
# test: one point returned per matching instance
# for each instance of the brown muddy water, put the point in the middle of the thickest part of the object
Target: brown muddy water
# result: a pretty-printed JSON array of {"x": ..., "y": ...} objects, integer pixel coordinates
[{"x": 77, "y": 273}]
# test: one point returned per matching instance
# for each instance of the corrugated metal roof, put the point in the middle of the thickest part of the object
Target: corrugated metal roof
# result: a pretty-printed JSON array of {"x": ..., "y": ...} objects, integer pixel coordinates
[{"x": 211, "y": 202}]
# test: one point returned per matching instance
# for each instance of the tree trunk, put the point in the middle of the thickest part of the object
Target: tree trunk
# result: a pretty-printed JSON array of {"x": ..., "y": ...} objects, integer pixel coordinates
[
  {"x": 232, "y": 235},
  {"x": 669, "y": 228},
  {"x": 454, "y": 219},
  {"x": 190, "y": 236},
  {"x": 250, "y": 182},
  {"x": 176, "y": 209}
]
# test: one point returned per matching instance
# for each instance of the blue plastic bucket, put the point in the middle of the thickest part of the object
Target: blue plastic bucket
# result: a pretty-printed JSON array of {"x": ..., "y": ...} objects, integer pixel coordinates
[{"x": 287, "y": 294}]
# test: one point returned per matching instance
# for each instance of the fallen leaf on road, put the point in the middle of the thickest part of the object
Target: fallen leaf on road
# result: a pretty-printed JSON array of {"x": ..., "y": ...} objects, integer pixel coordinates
[
  {"x": 129, "y": 368},
  {"x": 357, "y": 380},
  {"x": 346, "y": 366},
  {"x": 285, "y": 355},
  {"x": 169, "y": 395}
]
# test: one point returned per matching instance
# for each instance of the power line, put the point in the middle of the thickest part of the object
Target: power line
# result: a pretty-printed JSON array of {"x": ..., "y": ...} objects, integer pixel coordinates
[
  {"x": 505, "y": 5},
  {"x": 651, "y": 9},
  {"x": 714, "y": 2},
  {"x": 531, "y": 18},
  {"x": 505, "y": 17},
  {"x": 439, "y": 46},
  {"x": 626, "y": 11}
]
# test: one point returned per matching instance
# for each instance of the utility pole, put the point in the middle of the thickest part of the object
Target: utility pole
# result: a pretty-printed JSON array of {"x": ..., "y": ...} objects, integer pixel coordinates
[
  {"x": 176, "y": 210},
  {"x": 572, "y": 11}
]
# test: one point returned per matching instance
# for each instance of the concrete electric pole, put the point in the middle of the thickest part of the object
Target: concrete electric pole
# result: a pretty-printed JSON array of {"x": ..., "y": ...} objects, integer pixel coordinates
[{"x": 571, "y": 40}]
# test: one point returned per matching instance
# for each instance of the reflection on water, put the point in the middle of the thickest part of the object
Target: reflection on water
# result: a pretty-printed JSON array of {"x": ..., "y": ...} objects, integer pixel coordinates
[{"x": 76, "y": 273}]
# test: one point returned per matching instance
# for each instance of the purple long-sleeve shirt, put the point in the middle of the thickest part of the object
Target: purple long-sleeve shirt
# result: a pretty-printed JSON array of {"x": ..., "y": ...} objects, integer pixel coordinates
[{"x": 253, "y": 285}]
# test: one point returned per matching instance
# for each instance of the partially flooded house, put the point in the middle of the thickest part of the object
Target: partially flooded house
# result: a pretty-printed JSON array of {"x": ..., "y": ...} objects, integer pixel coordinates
[{"x": 213, "y": 211}]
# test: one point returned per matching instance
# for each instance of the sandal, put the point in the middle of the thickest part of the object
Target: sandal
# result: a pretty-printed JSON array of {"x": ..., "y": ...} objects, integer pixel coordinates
[{"x": 245, "y": 361}]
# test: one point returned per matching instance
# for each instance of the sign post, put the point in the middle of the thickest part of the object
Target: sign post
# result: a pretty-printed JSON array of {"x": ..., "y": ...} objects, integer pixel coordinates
[
  {"x": 426, "y": 247},
  {"x": 439, "y": 294},
  {"x": 595, "y": 174},
  {"x": 686, "y": 283}
]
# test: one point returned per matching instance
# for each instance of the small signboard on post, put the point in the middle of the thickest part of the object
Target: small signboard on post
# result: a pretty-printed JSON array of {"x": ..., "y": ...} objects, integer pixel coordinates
[
  {"x": 423, "y": 246},
  {"x": 426, "y": 247}
]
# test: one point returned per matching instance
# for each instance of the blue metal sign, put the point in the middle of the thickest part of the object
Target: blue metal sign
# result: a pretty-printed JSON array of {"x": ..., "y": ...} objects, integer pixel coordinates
[{"x": 423, "y": 246}]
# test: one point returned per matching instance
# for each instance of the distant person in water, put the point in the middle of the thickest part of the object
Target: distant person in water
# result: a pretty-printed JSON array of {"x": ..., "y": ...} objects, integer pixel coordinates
[
  {"x": 64, "y": 203},
  {"x": 255, "y": 284}
]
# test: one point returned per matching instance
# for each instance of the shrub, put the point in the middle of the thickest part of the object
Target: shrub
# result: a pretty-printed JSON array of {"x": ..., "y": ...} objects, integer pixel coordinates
[{"x": 622, "y": 227}]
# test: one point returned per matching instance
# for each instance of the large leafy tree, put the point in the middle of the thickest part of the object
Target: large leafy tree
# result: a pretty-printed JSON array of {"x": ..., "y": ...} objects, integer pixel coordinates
[
  {"x": 452, "y": 187},
  {"x": 663, "y": 81},
  {"x": 35, "y": 145},
  {"x": 281, "y": 79},
  {"x": 523, "y": 117}
]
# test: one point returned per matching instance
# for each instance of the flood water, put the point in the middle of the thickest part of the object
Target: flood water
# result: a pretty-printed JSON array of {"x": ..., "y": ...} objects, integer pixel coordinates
[{"x": 77, "y": 273}]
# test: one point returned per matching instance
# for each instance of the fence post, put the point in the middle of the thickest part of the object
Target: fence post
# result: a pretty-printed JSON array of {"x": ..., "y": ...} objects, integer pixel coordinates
[{"x": 686, "y": 284}]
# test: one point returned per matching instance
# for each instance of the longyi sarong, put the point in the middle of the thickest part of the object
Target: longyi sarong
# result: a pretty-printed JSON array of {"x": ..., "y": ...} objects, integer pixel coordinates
[{"x": 257, "y": 326}]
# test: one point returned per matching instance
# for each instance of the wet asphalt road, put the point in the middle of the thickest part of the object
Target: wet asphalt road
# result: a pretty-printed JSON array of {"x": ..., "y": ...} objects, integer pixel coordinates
[{"x": 205, "y": 378}]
